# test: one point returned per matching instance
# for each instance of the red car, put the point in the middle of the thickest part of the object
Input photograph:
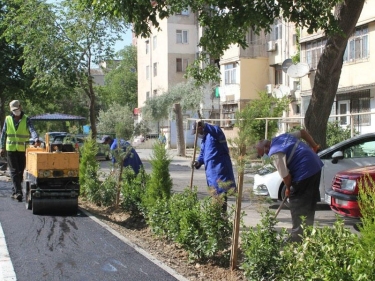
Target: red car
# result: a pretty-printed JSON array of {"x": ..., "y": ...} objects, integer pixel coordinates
[{"x": 345, "y": 190}]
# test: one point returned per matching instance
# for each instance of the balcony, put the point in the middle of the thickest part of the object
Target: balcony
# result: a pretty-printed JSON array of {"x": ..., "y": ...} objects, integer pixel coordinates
[{"x": 254, "y": 51}]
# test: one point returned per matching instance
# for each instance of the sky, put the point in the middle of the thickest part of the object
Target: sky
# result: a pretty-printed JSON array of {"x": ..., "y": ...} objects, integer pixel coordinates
[
  {"x": 127, "y": 40},
  {"x": 127, "y": 37}
]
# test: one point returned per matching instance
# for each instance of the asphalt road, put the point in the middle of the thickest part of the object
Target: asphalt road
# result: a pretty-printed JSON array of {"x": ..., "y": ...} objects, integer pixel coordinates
[{"x": 58, "y": 247}]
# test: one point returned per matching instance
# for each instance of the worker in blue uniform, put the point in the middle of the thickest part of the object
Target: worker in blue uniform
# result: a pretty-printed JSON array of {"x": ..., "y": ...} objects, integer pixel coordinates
[
  {"x": 214, "y": 155},
  {"x": 132, "y": 158},
  {"x": 300, "y": 168}
]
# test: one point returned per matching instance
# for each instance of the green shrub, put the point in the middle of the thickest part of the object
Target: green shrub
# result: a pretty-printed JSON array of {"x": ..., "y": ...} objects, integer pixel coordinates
[
  {"x": 364, "y": 254},
  {"x": 324, "y": 254},
  {"x": 199, "y": 226},
  {"x": 92, "y": 186},
  {"x": 88, "y": 166},
  {"x": 336, "y": 133},
  {"x": 107, "y": 191},
  {"x": 158, "y": 217},
  {"x": 261, "y": 249},
  {"x": 133, "y": 187},
  {"x": 160, "y": 184},
  {"x": 215, "y": 231}
]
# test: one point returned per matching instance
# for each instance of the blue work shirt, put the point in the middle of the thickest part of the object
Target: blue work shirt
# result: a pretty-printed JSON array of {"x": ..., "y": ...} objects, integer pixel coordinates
[
  {"x": 132, "y": 159},
  {"x": 304, "y": 162},
  {"x": 214, "y": 155}
]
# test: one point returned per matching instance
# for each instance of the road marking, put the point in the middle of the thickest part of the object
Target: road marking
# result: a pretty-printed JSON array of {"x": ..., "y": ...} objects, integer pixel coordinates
[
  {"x": 137, "y": 248},
  {"x": 6, "y": 267}
]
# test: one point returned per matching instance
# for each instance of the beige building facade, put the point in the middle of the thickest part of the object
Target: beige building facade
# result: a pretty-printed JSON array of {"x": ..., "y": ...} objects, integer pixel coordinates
[
  {"x": 356, "y": 90},
  {"x": 164, "y": 56},
  {"x": 261, "y": 67}
]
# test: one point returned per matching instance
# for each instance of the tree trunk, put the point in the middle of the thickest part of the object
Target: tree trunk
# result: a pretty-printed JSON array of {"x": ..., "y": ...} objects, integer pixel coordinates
[
  {"x": 92, "y": 109},
  {"x": 328, "y": 72},
  {"x": 180, "y": 130}
]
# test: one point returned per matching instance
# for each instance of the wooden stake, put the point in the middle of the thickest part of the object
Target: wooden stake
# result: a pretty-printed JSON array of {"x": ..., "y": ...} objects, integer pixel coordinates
[
  {"x": 237, "y": 213},
  {"x": 194, "y": 153}
]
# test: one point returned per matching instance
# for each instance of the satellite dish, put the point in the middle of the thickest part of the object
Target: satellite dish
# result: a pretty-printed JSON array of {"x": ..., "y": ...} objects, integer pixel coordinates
[
  {"x": 285, "y": 90},
  {"x": 281, "y": 91},
  {"x": 298, "y": 70},
  {"x": 286, "y": 64}
]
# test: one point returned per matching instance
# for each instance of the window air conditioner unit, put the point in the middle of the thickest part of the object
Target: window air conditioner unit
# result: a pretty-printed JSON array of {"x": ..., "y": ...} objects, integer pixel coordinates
[
  {"x": 271, "y": 46},
  {"x": 269, "y": 88}
]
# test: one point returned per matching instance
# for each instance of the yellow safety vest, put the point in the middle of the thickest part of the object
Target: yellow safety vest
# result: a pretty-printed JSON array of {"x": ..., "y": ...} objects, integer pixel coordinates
[{"x": 16, "y": 138}]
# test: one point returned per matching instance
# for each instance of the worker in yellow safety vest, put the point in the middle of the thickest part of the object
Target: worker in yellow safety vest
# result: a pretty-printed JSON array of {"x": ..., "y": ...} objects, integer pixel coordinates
[{"x": 15, "y": 133}]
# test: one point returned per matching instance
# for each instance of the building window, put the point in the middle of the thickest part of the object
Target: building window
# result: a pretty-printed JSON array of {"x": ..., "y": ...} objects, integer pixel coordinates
[
  {"x": 357, "y": 47},
  {"x": 155, "y": 92},
  {"x": 147, "y": 72},
  {"x": 354, "y": 102},
  {"x": 358, "y": 106},
  {"x": 314, "y": 50},
  {"x": 297, "y": 109},
  {"x": 277, "y": 29},
  {"x": 181, "y": 36},
  {"x": 230, "y": 73},
  {"x": 295, "y": 39},
  {"x": 147, "y": 46},
  {"x": 278, "y": 75},
  {"x": 183, "y": 13},
  {"x": 147, "y": 95},
  {"x": 181, "y": 64},
  {"x": 155, "y": 69},
  {"x": 154, "y": 42}
]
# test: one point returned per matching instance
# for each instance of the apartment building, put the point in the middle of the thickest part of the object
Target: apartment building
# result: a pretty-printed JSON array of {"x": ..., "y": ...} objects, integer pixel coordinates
[
  {"x": 262, "y": 66},
  {"x": 356, "y": 90},
  {"x": 164, "y": 57}
]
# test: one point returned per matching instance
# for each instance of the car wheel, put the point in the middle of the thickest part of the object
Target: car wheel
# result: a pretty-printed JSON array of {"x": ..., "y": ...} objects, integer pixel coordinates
[{"x": 286, "y": 203}]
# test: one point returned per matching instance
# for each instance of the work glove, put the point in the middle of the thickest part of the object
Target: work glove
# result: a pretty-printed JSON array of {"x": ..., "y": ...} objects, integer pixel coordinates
[
  {"x": 316, "y": 148},
  {"x": 195, "y": 164},
  {"x": 287, "y": 191},
  {"x": 2, "y": 152}
]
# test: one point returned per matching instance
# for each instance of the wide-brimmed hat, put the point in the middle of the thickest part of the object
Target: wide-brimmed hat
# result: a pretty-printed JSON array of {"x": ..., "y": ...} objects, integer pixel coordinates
[{"x": 14, "y": 105}]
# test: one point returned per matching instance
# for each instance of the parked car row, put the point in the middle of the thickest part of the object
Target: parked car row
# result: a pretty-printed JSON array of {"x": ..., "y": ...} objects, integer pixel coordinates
[
  {"x": 77, "y": 140},
  {"x": 345, "y": 164}
]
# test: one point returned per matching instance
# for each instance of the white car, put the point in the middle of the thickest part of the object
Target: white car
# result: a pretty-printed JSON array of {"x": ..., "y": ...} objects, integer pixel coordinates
[{"x": 354, "y": 152}]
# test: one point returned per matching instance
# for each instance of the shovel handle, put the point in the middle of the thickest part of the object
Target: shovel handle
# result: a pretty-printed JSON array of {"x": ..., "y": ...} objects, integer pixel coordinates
[{"x": 281, "y": 205}]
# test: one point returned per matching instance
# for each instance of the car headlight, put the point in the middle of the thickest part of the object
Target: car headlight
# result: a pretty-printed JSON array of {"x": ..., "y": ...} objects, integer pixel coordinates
[
  {"x": 44, "y": 173},
  {"x": 348, "y": 185},
  {"x": 72, "y": 173}
]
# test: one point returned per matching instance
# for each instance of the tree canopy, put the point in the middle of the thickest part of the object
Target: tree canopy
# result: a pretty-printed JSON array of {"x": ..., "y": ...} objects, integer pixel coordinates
[
  {"x": 121, "y": 82},
  {"x": 62, "y": 43},
  {"x": 187, "y": 94},
  {"x": 224, "y": 22}
]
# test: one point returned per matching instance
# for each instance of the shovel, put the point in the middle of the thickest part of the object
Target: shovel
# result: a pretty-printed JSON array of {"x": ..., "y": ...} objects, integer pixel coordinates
[{"x": 281, "y": 205}]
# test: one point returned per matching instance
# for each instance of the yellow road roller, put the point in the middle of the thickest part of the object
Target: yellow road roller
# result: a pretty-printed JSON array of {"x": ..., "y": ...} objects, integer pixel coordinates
[{"x": 51, "y": 180}]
